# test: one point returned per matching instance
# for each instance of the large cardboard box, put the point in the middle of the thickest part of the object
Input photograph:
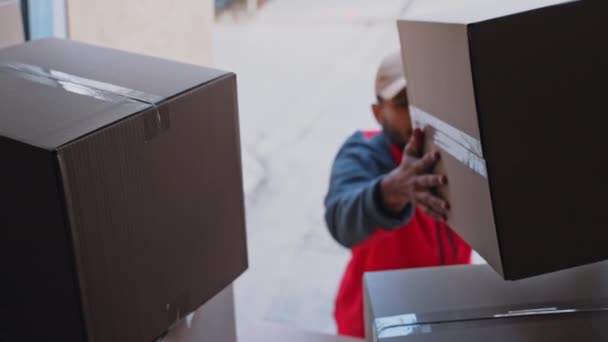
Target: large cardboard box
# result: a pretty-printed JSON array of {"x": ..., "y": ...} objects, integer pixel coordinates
[
  {"x": 425, "y": 301},
  {"x": 11, "y": 23},
  {"x": 576, "y": 327},
  {"x": 511, "y": 94},
  {"x": 122, "y": 198}
]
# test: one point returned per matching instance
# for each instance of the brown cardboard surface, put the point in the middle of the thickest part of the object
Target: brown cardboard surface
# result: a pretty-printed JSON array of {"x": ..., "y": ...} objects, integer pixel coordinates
[
  {"x": 214, "y": 321},
  {"x": 469, "y": 196},
  {"x": 125, "y": 216},
  {"x": 475, "y": 293},
  {"x": 11, "y": 23},
  {"x": 440, "y": 58},
  {"x": 38, "y": 289},
  {"x": 78, "y": 115},
  {"x": 577, "y": 327},
  {"x": 268, "y": 332},
  {"x": 513, "y": 78}
]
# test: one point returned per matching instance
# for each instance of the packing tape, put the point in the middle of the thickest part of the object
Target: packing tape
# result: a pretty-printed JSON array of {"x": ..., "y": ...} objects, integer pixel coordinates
[
  {"x": 95, "y": 89},
  {"x": 399, "y": 325},
  {"x": 92, "y": 85},
  {"x": 410, "y": 324},
  {"x": 453, "y": 141},
  {"x": 67, "y": 86},
  {"x": 544, "y": 311}
]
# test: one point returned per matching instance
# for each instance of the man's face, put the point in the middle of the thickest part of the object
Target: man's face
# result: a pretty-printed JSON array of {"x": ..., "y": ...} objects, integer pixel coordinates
[{"x": 394, "y": 117}]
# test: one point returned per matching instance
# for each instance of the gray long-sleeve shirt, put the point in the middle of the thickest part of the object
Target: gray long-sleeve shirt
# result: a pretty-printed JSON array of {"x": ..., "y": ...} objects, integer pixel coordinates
[{"x": 353, "y": 205}]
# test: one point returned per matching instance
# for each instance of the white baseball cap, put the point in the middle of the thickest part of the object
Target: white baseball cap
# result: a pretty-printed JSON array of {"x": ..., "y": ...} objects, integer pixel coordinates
[{"x": 390, "y": 78}]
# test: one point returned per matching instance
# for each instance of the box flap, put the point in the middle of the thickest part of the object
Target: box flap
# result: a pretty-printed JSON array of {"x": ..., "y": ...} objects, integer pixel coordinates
[
  {"x": 42, "y": 113},
  {"x": 60, "y": 90},
  {"x": 471, "y": 11},
  {"x": 467, "y": 293}
]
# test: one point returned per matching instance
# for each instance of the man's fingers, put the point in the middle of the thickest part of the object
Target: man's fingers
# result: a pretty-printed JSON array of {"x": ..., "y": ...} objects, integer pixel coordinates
[
  {"x": 430, "y": 212},
  {"x": 414, "y": 146},
  {"x": 429, "y": 181},
  {"x": 427, "y": 162},
  {"x": 434, "y": 203}
]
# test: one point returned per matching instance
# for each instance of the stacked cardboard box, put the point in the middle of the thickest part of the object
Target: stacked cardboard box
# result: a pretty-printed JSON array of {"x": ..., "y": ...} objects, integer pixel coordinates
[
  {"x": 511, "y": 93},
  {"x": 122, "y": 198},
  {"x": 535, "y": 329},
  {"x": 473, "y": 303},
  {"x": 11, "y": 23}
]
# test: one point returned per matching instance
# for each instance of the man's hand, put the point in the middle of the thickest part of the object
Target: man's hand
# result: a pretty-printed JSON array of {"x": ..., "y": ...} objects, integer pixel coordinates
[{"x": 412, "y": 182}]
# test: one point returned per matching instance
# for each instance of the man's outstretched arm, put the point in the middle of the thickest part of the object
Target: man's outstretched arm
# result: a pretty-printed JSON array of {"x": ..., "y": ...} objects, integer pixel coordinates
[{"x": 361, "y": 199}]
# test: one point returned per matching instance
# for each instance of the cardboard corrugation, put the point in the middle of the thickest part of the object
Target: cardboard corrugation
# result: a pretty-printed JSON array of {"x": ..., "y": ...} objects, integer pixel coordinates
[{"x": 147, "y": 226}]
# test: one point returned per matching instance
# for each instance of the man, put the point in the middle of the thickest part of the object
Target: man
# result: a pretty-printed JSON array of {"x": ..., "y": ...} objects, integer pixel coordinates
[{"x": 381, "y": 201}]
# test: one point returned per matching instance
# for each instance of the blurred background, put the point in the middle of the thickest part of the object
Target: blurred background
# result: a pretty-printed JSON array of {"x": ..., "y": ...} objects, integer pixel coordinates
[{"x": 305, "y": 74}]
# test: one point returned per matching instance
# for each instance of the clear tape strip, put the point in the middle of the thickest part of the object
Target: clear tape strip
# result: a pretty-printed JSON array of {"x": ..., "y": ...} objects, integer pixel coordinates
[
  {"x": 408, "y": 324},
  {"x": 408, "y": 330},
  {"x": 400, "y": 325},
  {"x": 66, "y": 86},
  {"x": 92, "y": 88},
  {"x": 423, "y": 118},
  {"x": 92, "y": 85},
  {"x": 537, "y": 312},
  {"x": 456, "y": 150},
  {"x": 453, "y": 141}
]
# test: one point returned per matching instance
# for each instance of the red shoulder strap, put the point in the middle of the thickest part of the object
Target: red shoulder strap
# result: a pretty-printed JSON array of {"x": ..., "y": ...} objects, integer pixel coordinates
[
  {"x": 370, "y": 134},
  {"x": 396, "y": 152}
]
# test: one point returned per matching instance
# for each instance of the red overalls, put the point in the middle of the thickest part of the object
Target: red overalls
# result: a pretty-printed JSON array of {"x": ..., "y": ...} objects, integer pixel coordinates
[{"x": 423, "y": 242}]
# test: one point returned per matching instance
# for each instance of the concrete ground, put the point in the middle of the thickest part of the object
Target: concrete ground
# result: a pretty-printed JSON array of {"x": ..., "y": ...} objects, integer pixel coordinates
[{"x": 305, "y": 73}]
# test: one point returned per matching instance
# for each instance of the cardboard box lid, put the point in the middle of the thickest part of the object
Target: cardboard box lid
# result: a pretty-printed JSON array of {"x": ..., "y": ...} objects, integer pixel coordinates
[
  {"x": 457, "y": 293},
  {"x": 471, "y": 11},
  {"x": 575, "y": 327},
  {"x": 84, "y": 97},
  {"x": 11, "y": 23}
]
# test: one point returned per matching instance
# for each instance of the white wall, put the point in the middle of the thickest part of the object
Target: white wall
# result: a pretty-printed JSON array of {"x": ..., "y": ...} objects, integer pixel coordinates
[{"x": 173, "y": 29}]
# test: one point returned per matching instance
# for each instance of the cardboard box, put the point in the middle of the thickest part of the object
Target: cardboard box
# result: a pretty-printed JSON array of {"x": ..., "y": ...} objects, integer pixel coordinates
[
  {"x": 122, "y": 197},
  {"x": 11, "y": 23},
  {"x": 268, "y": 332},
  {"x": 510, "y": 93},
  {"x": 427, "y": 300},
  {"x": 214, "y": 321},
  {"x": 577, "y": 327}
]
